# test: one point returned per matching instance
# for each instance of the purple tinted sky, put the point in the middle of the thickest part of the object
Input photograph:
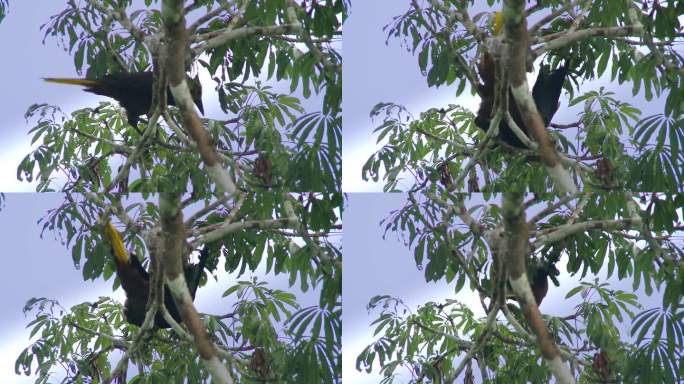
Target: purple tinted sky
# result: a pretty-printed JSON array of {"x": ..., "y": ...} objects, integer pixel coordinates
[
  {"x": 33, "y": 267},
  {"x": 373, "y": 72},
  {"x": 373, "y": 266},
  {"x": 22, "y": 85},
  {"x": 38, "y": 266},
  {"x": 42, "y": 267}
]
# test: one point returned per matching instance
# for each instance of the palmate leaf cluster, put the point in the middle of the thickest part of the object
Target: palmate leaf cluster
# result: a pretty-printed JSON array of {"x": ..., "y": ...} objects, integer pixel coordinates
[
  {"x": 611, "y": 335},
  {"x": 272, "y": 125},
  {"x": 79, "y": 341},
  {"x": 643, "y": 148},
  {"x": 641, "y": 332},
  {"x": 285, "y": 159},
  {"x": 300, "y": 342},
  {"x": 91, "y": 36},
  {"x": 259, "y": 119},
  {"x": 414, "y": 150},
  {"x": 76, "y": 222}
]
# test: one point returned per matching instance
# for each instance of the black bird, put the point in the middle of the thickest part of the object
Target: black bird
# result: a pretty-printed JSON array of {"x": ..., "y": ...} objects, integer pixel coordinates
[
  {"x": 545, "y": 92},
  {"x": 135, "y": 281},
  {"x": 539, "y": 273},
  {"x": 132, "y": 90}
]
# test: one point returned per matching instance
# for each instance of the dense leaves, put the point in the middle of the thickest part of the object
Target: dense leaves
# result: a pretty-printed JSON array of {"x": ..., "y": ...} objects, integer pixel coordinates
[
  {"x": 80, "y": 341},
  {"x": 610, "y": 145},
  {"x": 238, "y": 253},
  {"x": 624, "y": 248},
  {"x": 4, "y": 9},
  {"x": 621, "y": 267},
  {"x": 284, "y": 217}
]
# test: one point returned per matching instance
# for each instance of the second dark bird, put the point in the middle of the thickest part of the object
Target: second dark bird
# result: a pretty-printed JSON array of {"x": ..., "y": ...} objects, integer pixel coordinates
[
  {"x": 539, "y": 274},
  {"x": 132, "y": 90},
  {"x": 546, "y": 94}
]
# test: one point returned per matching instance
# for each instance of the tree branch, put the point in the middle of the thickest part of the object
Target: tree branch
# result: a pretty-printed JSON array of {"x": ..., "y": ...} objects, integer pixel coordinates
[
  {"x": 174, "y": 29},
  {"x": 516, "y": 235},
  {"x": 517, "y": 39},
  {"x": 173, "y": 236}
]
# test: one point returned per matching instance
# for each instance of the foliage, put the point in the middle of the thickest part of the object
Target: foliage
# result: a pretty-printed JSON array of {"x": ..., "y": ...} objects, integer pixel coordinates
[
  {"x": 617, "y": 229},
  {"x": 263, "y": 122},
  {"x": 282, "y": 218},
  {"x": 80, "y": 341},
  {"x": 589, "y": 237},
  {"x": 612, "y": 144},
  {"x": 313, "y": 350},
  {"x": 4, "y": 9}
]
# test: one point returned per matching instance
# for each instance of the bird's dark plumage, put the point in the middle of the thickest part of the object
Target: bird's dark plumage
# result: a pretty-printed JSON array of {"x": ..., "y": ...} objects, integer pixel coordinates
[
  {"x": 540, "y": 285},
  {"x": 539, "y": 273},
  {"x": 545, "y": 92},
  {"x": 547, "y": 89},
  {"x": 135, "y": 281},
  {"x": 132, "y": 90}
]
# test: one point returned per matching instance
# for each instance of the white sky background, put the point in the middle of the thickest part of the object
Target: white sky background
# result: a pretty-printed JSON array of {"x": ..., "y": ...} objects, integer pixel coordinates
[
  {"x": 377, "y": 72},
  {"x": 373, "y": 72},
  {"x": 22, "y": 85}
]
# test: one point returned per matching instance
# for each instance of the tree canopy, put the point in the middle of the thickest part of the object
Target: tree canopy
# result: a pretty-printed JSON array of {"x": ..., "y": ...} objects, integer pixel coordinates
[
  {"x": 612, "y": 144},
  {"x": 621, "y": 320},
  {"x": 258, "y": 188},
  {"x": 598, "y": 199}
]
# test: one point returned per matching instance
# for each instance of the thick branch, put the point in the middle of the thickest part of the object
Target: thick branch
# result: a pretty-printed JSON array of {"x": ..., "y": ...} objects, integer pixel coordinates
[
  {"x": 516, "y": 234},
  {"x": 563, "y": 231},
  {"x": 170, "y": 203},
  {"x": 177, "y": 38},
  {"x": 240, "y": 33},
  {"x": 582, "y": 34},
  {"x": 517, "y": 39},
  {"x": 174, "y": 234},
  {"x": 218, "y": 231}
]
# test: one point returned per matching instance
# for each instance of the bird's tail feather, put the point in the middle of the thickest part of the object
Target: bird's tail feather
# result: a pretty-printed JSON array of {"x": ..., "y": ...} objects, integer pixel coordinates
[
  {"x": 114, "y": 239},
  {"x": 62, "y": 80}
]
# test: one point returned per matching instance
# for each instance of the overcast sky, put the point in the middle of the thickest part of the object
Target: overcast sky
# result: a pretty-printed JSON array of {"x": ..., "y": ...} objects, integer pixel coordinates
[
  {"x": 41, "y": 266},
  {"x": 32, "y": 60},
  {"x": 376, "y": 266}
]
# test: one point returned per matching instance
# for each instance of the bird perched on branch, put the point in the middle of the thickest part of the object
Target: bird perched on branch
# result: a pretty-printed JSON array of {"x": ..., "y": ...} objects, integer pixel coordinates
[
  {"x": 539, "y": 274},
  {"x": 547, "y": 90},
  {"x": 132, "y": 90},
  {"x": 546, "y": 93},
  {"x": 135, "y": 280}
]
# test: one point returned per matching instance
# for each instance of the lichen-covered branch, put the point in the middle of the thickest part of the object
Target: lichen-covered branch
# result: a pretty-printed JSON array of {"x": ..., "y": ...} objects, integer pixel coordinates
[
  {"x": 176, "y": 50},
  {"x": 516, "y": 236},
  {"x": 517, "y": 39},
  {"x": 173, "y": 233}
]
